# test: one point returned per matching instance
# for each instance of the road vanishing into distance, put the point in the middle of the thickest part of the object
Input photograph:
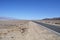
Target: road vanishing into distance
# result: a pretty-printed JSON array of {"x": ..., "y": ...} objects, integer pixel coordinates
[{"x": 52, "y": 27}]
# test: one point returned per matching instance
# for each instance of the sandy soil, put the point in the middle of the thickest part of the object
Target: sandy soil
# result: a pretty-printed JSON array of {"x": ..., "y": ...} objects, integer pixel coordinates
[{"x": 25, "y": 30}]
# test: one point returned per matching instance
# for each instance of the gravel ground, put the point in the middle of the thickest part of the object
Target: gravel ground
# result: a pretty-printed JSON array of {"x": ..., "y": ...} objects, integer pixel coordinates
[{"x": 27, "y": 31}]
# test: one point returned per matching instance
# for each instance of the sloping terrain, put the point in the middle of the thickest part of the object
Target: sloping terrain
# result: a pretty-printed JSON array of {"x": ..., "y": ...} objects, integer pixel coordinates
[
  {"x": 52, "y": 21},
  {"x": 25, "y": 30}
]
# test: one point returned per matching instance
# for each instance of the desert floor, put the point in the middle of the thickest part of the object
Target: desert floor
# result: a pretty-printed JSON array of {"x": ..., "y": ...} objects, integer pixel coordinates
[{"x": 25, "y": 30}]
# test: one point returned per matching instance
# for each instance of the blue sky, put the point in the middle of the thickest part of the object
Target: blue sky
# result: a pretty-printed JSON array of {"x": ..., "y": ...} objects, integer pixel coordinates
[{"x": 30, "y": 9}]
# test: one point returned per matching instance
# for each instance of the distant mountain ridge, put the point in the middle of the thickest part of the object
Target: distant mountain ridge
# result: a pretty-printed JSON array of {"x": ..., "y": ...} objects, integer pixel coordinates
[
  {"x": 57, "y": 18},
  {"x": 6, "y": 18}
]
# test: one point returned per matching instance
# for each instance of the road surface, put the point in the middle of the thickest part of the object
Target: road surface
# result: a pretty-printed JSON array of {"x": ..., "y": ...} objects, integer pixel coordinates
[{"x": 52, "y": 27}]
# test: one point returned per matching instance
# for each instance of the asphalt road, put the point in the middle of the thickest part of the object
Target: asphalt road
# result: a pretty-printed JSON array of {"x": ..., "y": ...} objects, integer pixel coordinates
[{"x": 52, "y": 27}]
